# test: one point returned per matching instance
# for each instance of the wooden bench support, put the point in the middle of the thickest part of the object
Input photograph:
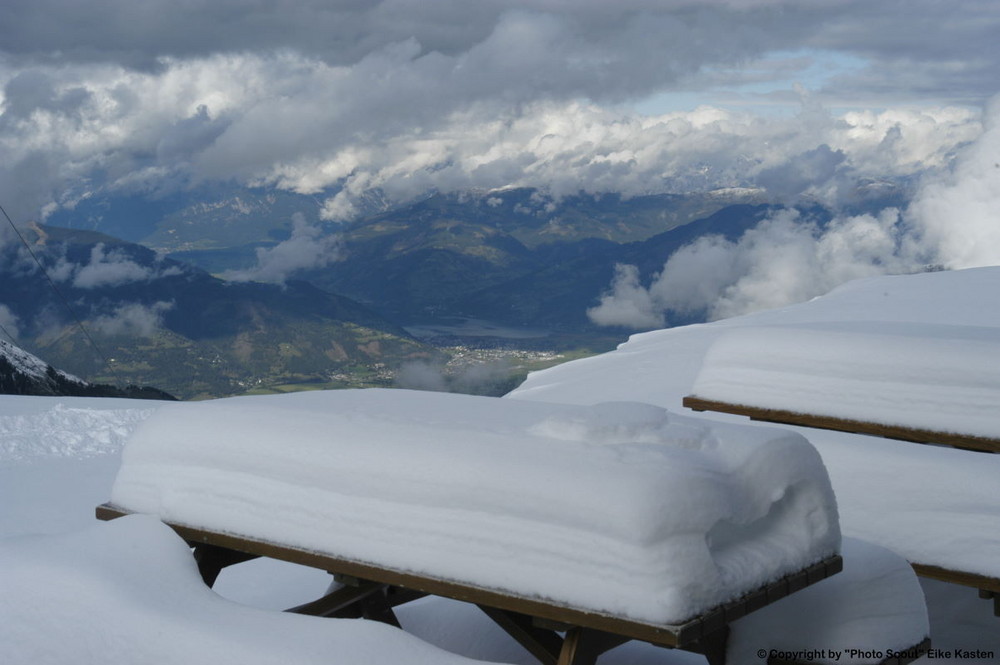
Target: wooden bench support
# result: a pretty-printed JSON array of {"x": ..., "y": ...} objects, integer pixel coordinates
[
  {"x": 365, "y": 600},
  {"x": 543, "y": 644},
  {"x": 371, "y": 592},
  {"x": 986, "y": 594},
  {"x": 714, "y": 646},
  {"x": 212, "y": 559},
  {"x": 582, "y": 646},
  {"x": 343, "y": 602},
  {"x": 376, "y": 607}
]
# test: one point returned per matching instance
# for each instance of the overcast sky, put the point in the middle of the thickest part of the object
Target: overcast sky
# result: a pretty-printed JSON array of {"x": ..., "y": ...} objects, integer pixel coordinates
[
  {"x": 801, "y": 97},
  {"x": 405, "y": 95}
]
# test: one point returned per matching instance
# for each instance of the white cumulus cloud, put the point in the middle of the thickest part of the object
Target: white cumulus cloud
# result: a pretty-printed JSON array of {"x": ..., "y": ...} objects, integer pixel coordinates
[
  {"x": 133, "y": 319},
  {"x": 957, "y": 217},
  {"x": 308, "y": 247},
  {"x": 952, "y": 222}
]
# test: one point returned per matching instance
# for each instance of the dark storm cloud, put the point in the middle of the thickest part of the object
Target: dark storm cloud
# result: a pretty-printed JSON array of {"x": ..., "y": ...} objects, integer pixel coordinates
[
  {"x": 921, "y": 50},
  {"x": 594, "y": 48},
  {"x": 598, "y": 48}
]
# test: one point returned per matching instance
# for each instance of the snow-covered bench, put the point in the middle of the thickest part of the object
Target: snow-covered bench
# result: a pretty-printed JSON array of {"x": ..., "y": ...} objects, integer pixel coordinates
[
  {"x": 928, "y": 384},
  {"x": 935, "y": 384},
  {"x": 575, "y": 528}
]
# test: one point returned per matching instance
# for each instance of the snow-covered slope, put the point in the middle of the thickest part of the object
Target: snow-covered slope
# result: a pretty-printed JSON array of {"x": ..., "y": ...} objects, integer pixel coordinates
[{"x": 22, "y": 373}]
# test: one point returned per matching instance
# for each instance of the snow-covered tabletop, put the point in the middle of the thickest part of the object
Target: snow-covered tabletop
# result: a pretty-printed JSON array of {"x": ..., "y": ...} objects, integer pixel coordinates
[
  {"x": 932, "y": 377},
  {"x": 620, "y": 508}
]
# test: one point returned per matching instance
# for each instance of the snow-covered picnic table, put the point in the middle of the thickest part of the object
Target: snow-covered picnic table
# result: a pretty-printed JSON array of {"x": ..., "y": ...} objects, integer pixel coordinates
[
  {"x": 619, "y": 510},
  {"x": 931, "y": 383}
]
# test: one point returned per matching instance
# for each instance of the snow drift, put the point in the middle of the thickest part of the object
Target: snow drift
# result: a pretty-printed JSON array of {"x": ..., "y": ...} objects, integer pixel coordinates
[{"x": 129, "y": 592}]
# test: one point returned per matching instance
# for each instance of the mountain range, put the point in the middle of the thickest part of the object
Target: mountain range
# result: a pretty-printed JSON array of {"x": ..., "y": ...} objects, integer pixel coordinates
[
  {"x": 166, "y": 285},
  {"x": 120, "y": 312},
  {"x": 518, "y": 257}
]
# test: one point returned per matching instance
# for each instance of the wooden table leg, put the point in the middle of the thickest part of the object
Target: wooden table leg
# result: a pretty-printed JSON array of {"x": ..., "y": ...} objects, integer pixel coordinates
[
  {"x": 583, "y": 646},
  {"x": 212, "y": 559}
]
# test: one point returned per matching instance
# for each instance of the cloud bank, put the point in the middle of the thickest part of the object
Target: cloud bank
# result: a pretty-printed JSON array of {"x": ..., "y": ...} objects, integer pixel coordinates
[
  {"x": 953, "y": 222},
  {"x": 406, "y": 96},
  {"x": 223, "y": 119}
]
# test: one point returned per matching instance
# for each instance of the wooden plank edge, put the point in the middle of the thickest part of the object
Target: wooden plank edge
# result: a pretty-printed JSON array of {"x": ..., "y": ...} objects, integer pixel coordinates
[
  {"x": 974, "y": 580},
  {"x": 912, "y": 434},
  {"x": 668, "y": 635}
]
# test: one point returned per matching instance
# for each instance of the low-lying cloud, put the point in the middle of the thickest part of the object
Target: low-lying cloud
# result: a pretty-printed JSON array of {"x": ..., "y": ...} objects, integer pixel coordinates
[
  {"x": 110, "y": 267},
  {"x": 133, "y": 319},
  {"x": 307, "y": 248},
  {"x": 487, "y": 378},
  {"x": 783, "y": 260}
]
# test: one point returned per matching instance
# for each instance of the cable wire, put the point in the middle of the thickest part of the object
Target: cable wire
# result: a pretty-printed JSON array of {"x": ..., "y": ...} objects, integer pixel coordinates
[{"x": 79, "y": 322}]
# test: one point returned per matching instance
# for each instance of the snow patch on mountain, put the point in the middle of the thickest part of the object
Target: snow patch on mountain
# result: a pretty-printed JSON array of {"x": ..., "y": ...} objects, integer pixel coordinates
[{"x": 31, "y": 365}]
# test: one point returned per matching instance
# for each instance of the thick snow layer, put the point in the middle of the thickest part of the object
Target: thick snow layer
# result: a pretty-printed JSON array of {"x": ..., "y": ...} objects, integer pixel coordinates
[
  {"x": 931, "y": 505},
  {"x": 129, "y": 591},
  {"x": 620, "y": 508},
  {"x": 941, "y": 378}
]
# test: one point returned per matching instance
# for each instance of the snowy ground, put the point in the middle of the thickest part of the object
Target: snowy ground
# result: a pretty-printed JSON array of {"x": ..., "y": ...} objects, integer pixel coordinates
[{"x": 127, "y": 591}]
